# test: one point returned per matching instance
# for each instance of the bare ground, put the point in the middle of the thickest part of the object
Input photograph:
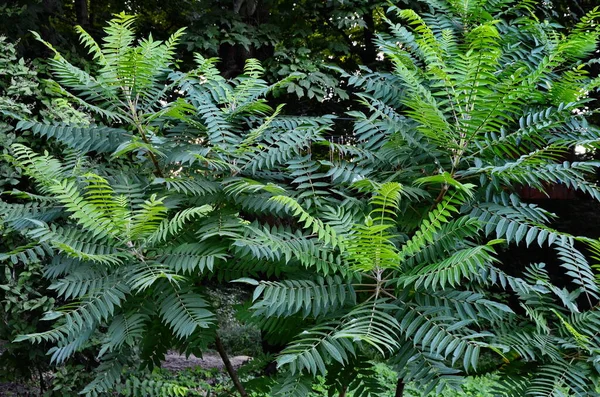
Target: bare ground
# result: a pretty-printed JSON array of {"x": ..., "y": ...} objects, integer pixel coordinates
[{"x": 176, "y": 362}]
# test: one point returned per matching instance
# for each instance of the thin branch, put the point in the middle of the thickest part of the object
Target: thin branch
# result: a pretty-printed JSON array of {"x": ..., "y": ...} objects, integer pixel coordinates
[
  {"x": 230, "y": 370},
  {"x": 138, "y": 125}
]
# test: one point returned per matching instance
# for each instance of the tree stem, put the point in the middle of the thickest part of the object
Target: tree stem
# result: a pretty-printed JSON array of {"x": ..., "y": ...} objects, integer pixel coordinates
[
  {"x": 152, "y": 157},
  {"x": 42, "y": 384},
  {"x": 399, "y": 388},
  {"x": 82, "y": 12},
  {"x": 440, "y": 196},
  {"x": 230, "y": 370},
  {"x": 140, "y": 129}
]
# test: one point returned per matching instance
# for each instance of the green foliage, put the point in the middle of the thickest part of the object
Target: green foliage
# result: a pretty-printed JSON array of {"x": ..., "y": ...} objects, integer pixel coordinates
[
  {"x": 387, "y": 252},
  {"x": 22, "y": 285},
  {"x": 131, "y": 252},
  {"x": 22, "y": 307},
  {"x": 22, "y": 95},
  {"x": 441, "y": 164}
]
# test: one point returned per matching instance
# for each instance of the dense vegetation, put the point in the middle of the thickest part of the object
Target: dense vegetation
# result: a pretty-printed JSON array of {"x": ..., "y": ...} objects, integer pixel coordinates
[{"x": 140, "y": 181}]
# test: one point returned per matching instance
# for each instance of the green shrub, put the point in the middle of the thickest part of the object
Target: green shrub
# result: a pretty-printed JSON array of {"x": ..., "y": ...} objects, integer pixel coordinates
[
  {"x": 23, "y": 296},
  {"x": 482, "y": 100},
  {"x": 386, "y": 253},
  {"x": 144, "y": 211}
]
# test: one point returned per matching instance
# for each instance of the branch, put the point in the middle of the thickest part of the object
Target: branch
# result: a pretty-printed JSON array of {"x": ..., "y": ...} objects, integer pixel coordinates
[
  {"x": 399, "y": 388},
  {"x": 138, "y": 125},
  {"x": 230, "y": 370}
]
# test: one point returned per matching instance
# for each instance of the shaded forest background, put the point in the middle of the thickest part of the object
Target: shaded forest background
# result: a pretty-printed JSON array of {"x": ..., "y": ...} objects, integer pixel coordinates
[{"x": 285, "y": 35}]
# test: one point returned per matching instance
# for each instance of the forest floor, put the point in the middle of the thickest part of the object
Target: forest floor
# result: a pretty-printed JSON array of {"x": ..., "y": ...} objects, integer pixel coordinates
[
  {"x": 173, "y": 362},
  {"x": 176, "y": 362}
]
